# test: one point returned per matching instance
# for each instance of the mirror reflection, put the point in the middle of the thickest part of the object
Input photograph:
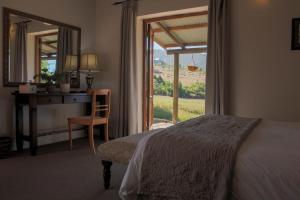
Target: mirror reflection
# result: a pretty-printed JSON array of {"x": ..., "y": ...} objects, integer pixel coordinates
[{"x": 38, "y": 48}]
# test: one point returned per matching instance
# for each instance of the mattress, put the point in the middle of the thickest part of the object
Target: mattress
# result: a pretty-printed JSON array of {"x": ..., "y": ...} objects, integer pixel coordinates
[{"x": 267, "y": 165}]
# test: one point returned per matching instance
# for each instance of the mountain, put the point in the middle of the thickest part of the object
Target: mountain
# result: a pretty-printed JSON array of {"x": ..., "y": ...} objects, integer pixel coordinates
[{"x": 184, "y": 59}]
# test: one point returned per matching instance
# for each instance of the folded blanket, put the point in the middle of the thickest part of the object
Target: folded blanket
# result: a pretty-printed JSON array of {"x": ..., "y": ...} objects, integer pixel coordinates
[{"x": 193, "y": 159}]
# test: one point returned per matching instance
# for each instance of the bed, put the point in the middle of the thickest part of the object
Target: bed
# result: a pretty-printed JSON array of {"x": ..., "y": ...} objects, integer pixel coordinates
[{"x": 267, "y": 165}]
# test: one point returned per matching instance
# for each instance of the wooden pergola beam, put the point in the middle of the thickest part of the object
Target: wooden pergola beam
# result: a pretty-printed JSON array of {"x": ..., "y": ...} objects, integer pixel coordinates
[
  {"x": 50, "y": 42},
  {"x": 171, "y": 35},
  {"x": 186, "y": 44},
  {"x": 51, "y": 46},
  {"x": 186, "y": 51},
  {"x": 157, "y": 19},
  {"x": 159, "y": 43},
  {"x": 183, "y": 27}
]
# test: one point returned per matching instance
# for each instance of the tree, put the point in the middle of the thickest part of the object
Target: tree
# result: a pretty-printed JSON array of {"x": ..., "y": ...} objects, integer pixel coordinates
[
  {"x": 162, "y": 87},
  {"x": 196, "y": 90},
  {"x": 165, "y": 88}
]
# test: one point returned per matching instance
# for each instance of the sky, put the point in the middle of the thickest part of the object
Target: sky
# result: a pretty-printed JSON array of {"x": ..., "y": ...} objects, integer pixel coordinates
[
  {"x": 156, "y": 46},
  {"x": 52, "y": 65}
]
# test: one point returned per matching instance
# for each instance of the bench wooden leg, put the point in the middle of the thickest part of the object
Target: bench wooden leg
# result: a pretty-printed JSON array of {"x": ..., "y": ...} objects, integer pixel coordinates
[{"x": 106, "y": 173}]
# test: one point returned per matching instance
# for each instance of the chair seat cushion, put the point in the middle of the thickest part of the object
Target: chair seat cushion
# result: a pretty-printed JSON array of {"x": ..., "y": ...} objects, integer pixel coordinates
[{"x": 120, "y": 150}]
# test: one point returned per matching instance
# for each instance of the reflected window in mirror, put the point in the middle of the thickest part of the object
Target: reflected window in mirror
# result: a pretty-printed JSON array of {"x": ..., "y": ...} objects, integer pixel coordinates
[{"x": 46, "y": 55}]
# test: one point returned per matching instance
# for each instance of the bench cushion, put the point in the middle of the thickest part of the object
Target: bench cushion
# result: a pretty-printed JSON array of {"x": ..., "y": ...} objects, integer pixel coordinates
[{"x": 120, "y": 150}]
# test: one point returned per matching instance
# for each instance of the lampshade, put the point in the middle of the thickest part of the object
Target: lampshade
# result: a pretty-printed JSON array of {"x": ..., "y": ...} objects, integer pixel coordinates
[
  {"x": 89, "y": 62},
  {"x": 71, "y": 63}
]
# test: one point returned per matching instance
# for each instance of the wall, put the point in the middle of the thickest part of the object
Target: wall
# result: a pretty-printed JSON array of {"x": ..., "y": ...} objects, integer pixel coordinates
[
  {"x": 80, "y": 13},
  {"x": 108, "y": 24},
  {"x": 264, "y": 76},
  {"x": 265, "y": 72}
]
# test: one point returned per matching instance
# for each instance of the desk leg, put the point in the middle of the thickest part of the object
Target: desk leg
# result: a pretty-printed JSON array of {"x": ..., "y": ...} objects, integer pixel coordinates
[
  {"x": 33, "y": 129},
  {"x": 19, "y": 127},
  {"x": 88, "y": 112},
  {"x": 88, "y": 109}
]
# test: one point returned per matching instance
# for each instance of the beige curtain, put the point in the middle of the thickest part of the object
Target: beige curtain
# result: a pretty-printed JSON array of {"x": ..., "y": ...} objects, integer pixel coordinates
[
  {"x": 21, "y": 53},
  {"x": 65, "y": 47},
  {"x": 128, "y": 121},
  {"x": 217, "y": 58}
]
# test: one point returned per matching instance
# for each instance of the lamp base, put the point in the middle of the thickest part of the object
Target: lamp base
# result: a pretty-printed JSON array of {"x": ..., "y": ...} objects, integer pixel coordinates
[{"x": 89, "y": 81}]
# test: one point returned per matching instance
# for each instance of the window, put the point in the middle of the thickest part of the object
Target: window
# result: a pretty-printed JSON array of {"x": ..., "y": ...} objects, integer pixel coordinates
[{"x": 46, "y": 53}]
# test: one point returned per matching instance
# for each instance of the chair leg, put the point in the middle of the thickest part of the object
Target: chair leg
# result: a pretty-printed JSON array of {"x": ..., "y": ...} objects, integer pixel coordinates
[
  {"x": 70, "y": 136},
  {"x": 91, "y": 138},
  {"x": 106, "y": 132}
]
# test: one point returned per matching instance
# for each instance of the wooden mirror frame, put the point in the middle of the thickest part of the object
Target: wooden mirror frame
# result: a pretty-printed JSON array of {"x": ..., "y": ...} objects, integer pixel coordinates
[{"x": 6, "y": 21}]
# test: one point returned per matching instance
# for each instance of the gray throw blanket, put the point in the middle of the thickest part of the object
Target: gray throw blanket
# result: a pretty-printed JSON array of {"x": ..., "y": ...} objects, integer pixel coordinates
[{"x": 193, "y": 160}]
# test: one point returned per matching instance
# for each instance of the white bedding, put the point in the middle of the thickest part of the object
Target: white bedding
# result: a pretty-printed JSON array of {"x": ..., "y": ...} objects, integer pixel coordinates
[{"x": 267, "y": 166}]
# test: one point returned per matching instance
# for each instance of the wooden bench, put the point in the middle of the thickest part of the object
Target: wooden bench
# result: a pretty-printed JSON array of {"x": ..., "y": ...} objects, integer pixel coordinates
[{"x": 117, "y": 151}]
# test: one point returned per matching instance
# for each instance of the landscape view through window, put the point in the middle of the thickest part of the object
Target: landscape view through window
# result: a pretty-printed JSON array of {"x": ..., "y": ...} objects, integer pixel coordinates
[{"x": 191, "y": 101}]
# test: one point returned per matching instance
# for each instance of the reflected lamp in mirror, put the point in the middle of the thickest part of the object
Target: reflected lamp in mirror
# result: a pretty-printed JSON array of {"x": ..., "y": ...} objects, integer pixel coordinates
[
  {"x": 70, "y": 67},
  {"x": 71, "y": 63},
  {"x": 89, "y": 64}
]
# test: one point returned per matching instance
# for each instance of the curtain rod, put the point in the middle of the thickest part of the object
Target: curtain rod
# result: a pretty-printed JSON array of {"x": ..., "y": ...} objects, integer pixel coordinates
[{"x": 120, "y": 2}]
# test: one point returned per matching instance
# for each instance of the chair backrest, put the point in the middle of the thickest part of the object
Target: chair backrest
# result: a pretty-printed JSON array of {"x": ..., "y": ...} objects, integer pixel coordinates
[{"x": 97, "y": 106}]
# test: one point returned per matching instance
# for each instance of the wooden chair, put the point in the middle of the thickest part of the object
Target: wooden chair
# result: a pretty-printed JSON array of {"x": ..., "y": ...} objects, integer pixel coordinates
[{"x": 100, "y": 115}]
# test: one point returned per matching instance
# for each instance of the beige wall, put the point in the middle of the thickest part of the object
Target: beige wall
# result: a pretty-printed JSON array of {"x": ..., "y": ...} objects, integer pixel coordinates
[
  {"x": 76, "y": 12},
  {"x": 265, "y": 76}
]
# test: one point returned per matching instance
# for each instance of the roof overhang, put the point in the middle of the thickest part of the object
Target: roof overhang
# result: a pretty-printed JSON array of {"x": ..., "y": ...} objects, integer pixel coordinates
[{"x": 182, "y": 34}]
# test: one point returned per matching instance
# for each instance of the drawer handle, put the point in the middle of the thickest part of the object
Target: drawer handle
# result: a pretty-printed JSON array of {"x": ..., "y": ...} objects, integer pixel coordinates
[
  {"x": 74, "y": 99},
  {"x": 50, "y": 100}
]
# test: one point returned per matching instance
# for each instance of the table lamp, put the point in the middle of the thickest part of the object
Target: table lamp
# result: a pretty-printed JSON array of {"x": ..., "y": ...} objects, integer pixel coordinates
[
  {"x": 89, "y": 64},
  {"x": 71, "y": 65}
]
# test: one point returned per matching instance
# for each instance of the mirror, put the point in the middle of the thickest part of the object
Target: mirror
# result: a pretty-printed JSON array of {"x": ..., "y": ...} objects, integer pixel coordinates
[{"x": 35, "y": 47}]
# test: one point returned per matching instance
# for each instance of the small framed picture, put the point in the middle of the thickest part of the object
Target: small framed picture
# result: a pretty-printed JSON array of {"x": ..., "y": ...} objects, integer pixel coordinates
[{"x": 296, "y": 34}]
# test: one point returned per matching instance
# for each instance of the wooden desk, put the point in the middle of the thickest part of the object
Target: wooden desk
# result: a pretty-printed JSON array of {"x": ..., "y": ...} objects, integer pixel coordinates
[{"x": 33, "y": 101}]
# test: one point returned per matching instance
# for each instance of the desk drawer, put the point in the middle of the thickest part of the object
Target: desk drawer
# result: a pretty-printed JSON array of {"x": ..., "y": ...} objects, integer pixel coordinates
[
  {"x": 77, "y": 99},
  {"x": 50, "y": 100}
]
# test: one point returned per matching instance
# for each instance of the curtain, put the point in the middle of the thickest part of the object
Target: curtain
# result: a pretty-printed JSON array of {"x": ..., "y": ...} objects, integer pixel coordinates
[
  {"x": 65, "y": 47},
  {"x": 128, "y": 111},
  {"x": 20, "y": 53},
  {"x": 217, "y": 58}
]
